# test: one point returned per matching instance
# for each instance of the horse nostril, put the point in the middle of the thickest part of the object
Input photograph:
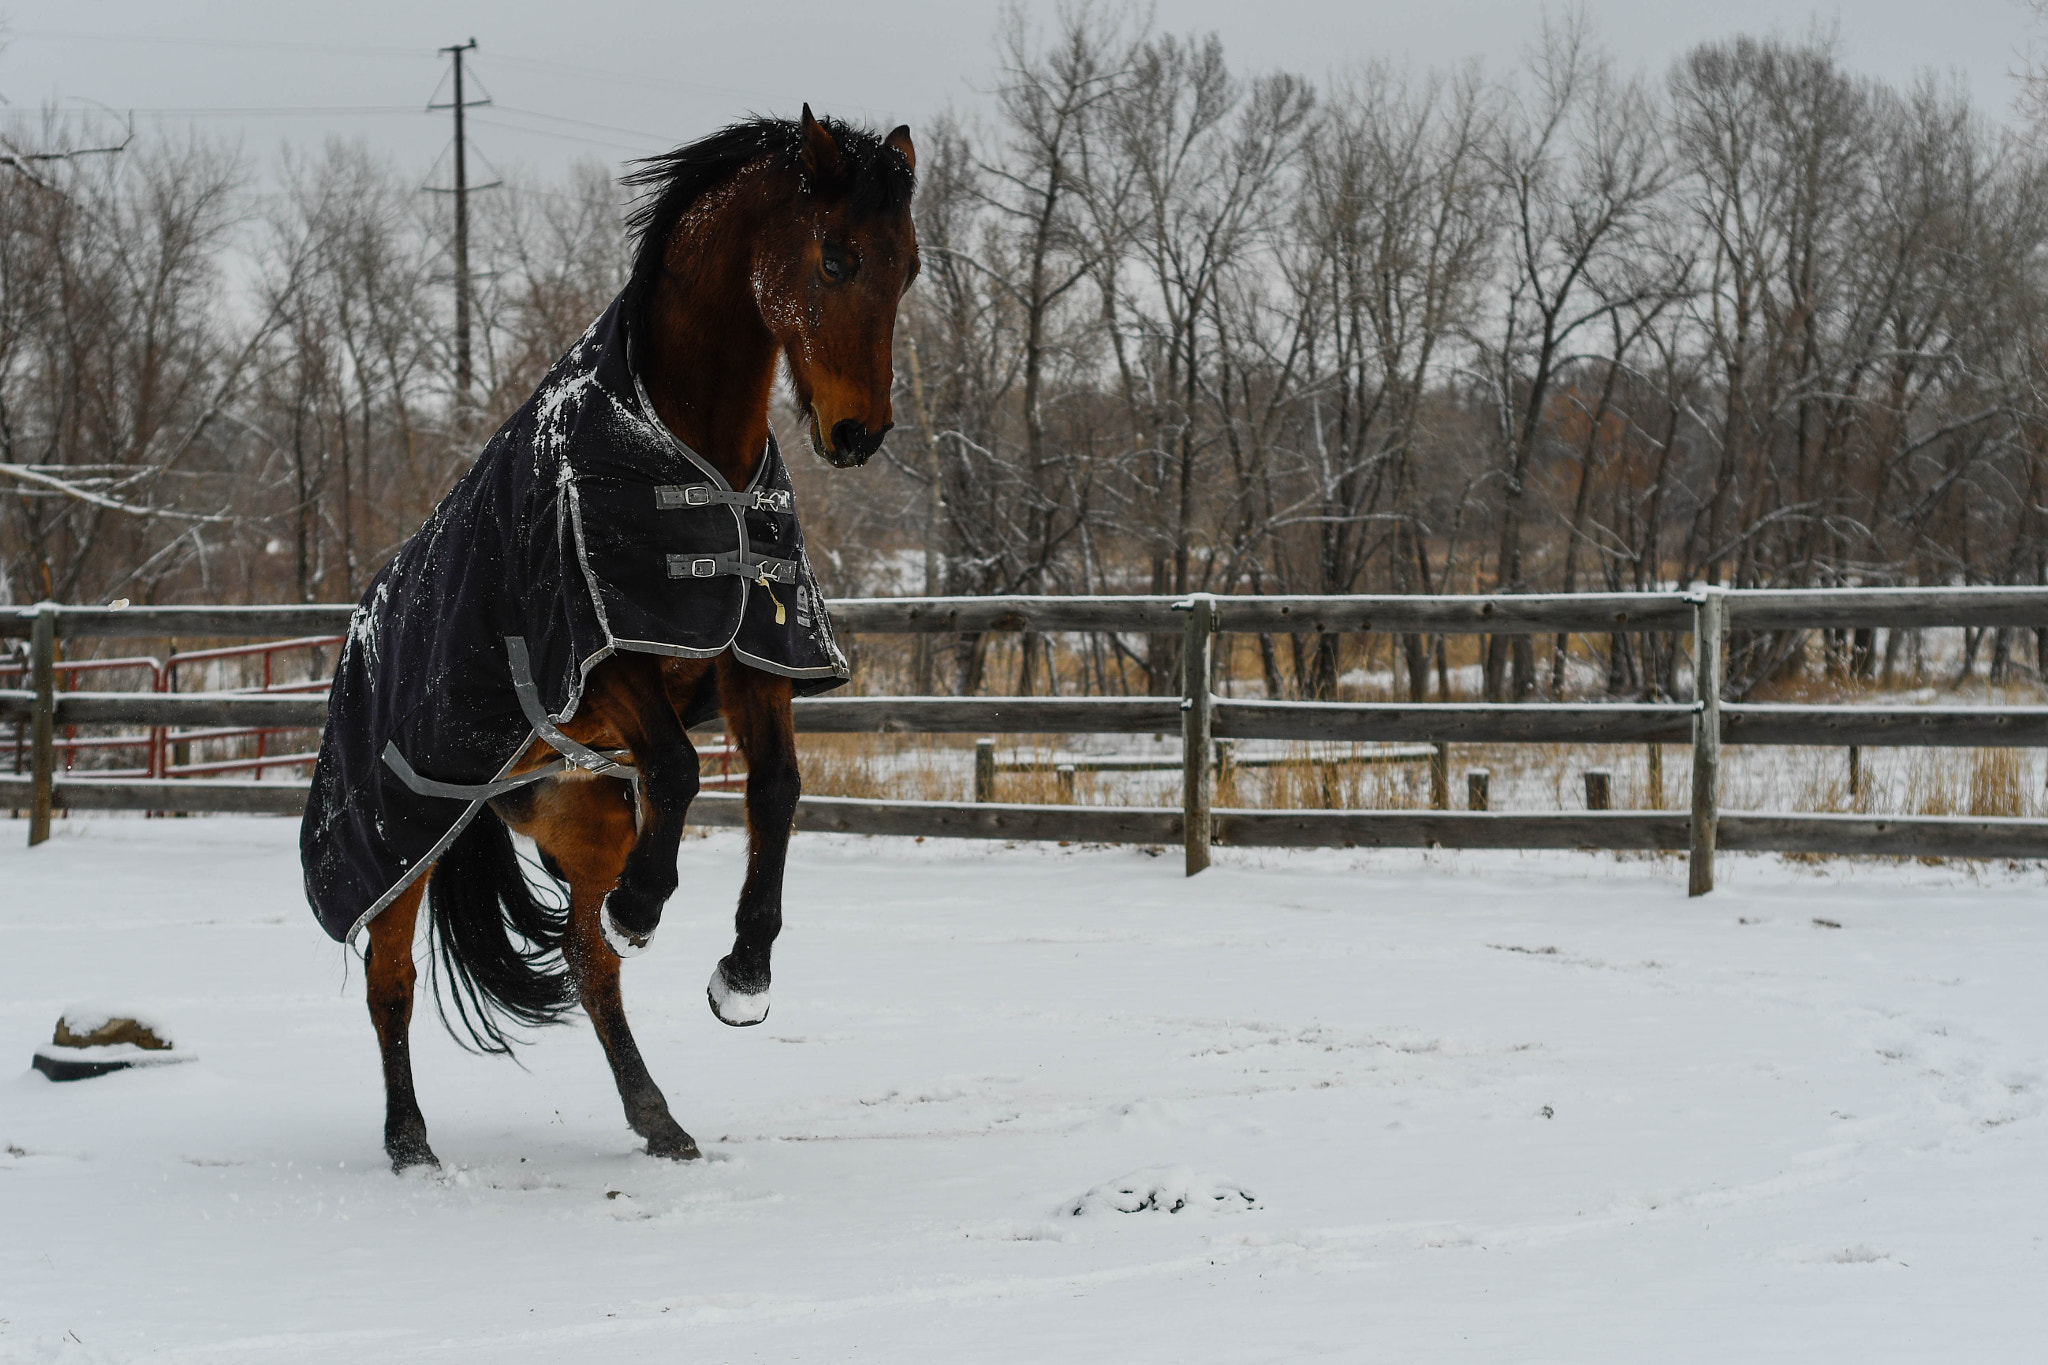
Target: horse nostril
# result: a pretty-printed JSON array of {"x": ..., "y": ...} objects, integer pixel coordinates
[{"x": 851, "y": 438}]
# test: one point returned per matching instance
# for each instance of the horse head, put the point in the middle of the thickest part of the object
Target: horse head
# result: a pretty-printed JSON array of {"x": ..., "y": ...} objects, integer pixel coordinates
[
  {"x": 778, "y": 237},
  {"x": 829, "y": 281}
]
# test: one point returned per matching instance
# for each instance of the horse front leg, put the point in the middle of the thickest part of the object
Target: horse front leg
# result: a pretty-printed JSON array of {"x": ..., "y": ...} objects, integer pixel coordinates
[
  {"x": 666, "y": 762},
  {"x": 757, "y": 716}
]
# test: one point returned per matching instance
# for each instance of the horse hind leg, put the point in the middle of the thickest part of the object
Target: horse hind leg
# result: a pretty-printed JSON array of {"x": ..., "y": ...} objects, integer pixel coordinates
[
  {"x": 584, "y": 828},
  {"x": 388, "y": 965},
  {"x": 596, "y": 970}
]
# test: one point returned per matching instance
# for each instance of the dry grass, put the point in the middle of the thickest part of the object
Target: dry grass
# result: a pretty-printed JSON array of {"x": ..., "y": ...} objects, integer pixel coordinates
[
  {"x": 891, "y": 767},
  {"x": 1998, "y": 784},
  {"x": 1978, "y": 782},
  {"x": 1315, "y": 777}
]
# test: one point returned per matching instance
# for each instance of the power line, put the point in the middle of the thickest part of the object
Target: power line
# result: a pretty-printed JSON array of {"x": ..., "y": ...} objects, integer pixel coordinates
[
  {"x": 578, "y": 122},
  {"x": 375, "y": 50},
  {"x": 268, "y": 111},
  {"x": 584, "y": 138},
  {"x": 613, "y": 77},
  {"x": 607, "y": 75},
  {"x": 180, "y": 40}
]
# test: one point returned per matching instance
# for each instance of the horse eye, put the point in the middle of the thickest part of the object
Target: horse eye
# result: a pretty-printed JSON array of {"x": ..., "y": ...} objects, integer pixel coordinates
[{"x": 835, "y": 266}]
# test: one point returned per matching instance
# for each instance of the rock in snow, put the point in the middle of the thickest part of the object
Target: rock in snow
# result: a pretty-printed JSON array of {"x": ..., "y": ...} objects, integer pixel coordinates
[{"x": 91, "y": 1040}]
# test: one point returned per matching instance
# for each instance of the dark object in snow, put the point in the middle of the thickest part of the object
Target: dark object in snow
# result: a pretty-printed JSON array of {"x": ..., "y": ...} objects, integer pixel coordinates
[
  {"x": 1820, "y": 923},
  {"x": 584, "y": 529},
  {"x": 90, "y": 1042}
]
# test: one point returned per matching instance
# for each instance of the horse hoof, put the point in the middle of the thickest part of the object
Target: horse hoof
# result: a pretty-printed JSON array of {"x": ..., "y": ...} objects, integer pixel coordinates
[
  {"x": 681, "y": 1147},
  {"x": 740, "y": 1009},
  {"x": 619, "y": 940},
  {"x": 407, "y": 1156}
]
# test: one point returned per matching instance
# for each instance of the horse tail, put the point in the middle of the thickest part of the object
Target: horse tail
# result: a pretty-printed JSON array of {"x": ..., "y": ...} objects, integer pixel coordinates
[{"x": 497, "y": 946}]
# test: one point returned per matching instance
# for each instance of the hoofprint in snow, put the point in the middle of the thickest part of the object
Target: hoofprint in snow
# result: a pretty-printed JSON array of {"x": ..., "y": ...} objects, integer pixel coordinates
[{"x": 1017, "y": 1103}]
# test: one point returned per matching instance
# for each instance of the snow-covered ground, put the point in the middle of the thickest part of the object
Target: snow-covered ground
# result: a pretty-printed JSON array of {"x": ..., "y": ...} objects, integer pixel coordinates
[{"x": 1416, "y": 1107}]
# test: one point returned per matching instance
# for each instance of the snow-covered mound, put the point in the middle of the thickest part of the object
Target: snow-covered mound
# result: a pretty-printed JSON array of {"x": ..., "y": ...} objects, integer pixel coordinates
[{"x": 1170, "y": 1189}]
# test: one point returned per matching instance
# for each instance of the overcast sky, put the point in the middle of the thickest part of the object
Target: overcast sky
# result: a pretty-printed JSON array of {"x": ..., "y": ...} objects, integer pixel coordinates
[{"x": 616, "y": 78}]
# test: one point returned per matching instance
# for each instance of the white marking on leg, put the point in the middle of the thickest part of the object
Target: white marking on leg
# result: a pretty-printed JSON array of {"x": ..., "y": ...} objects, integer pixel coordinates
[
  {"x": 617, "y": 939},
  {"x": 735, "y": 1007}
]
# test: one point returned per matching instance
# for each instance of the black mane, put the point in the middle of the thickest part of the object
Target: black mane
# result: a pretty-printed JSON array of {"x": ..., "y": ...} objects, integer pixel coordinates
[{"x": 871, "y": 174}]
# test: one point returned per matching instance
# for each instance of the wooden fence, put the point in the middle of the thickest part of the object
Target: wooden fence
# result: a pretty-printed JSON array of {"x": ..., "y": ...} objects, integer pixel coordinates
[{"x": 1200, "y": 716}]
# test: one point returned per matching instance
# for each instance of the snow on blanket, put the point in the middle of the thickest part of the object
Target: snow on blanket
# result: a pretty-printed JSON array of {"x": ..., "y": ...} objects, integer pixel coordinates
[{"x": 1418, "y": 1107}]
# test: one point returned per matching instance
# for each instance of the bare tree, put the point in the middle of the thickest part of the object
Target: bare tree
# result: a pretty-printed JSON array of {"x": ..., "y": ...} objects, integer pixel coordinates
[
  {"x": 1393, "y": 236},
  {"x": 1579, "y": 161}
]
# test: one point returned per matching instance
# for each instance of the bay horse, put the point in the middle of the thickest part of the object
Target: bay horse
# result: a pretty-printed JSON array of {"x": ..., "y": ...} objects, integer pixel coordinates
[{"x": 770, "y": 242}]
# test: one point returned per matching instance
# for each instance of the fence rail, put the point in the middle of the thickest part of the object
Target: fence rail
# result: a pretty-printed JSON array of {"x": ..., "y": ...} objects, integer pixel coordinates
[
  {"x": 1200, "y": 716},
  {"x": 1313, "y": 722},
  {"x": 1480, "y": 614}
]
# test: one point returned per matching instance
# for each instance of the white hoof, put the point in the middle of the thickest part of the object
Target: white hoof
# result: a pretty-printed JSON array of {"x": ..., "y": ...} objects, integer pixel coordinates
[
  {"x": 737, "y": 1008},
  {"x": 617, "y": 939}
]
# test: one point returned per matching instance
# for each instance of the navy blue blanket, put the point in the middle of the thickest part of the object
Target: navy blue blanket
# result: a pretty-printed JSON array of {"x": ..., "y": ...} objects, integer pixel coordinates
[{"x": 584, "y": 528}]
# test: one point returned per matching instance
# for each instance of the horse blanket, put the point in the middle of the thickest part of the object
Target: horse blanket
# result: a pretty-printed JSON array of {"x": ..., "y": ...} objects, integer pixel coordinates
[{"x": 584, "y": 528}]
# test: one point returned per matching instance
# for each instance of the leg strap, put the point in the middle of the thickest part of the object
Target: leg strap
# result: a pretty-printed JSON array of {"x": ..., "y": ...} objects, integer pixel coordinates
[
  {"x": 456, "y": 791},
  {"x": 572, "y": 753},
  {"x": 543, "y": 725}
]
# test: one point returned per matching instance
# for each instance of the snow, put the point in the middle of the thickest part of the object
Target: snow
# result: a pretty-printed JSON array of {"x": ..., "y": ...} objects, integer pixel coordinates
[{"x": 1486, "y": 1107}]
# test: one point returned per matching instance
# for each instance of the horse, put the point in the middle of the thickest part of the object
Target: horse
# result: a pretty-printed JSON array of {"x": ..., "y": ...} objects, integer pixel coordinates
[{"x": 770, "y": 243}]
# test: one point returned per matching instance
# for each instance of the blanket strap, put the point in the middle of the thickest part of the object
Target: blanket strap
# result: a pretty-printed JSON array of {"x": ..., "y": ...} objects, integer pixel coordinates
[
  {"x": 529, "y": 702},
  {"x": 757, "y": 570},
  {"x": 457, "y": 791},
  {"x": 571, "y": 752},
  {"x": 669, "y": 495}
]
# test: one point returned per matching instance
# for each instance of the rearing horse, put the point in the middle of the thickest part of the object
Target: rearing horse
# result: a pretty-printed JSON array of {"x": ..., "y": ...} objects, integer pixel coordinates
[{"x": 769, "y": 241}]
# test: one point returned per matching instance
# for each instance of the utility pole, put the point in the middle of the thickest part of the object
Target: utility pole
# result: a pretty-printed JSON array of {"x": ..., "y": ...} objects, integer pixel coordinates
[{"x": 461, "y": 192}]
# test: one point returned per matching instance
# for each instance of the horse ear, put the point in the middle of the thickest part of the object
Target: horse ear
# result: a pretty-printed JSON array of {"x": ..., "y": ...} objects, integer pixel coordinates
[
  {"x": 900, "y": 140},
  {"x": 821, "y": 153}
]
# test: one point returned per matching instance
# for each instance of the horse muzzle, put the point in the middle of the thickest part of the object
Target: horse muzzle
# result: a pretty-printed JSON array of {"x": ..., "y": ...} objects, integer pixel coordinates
[{"x": 851, "y": 445}]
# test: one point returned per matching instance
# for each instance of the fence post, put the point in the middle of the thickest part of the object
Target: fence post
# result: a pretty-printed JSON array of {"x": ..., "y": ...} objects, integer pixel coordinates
[
  {"x": 1198, "y": 777},
  {"x": 1439, "y": 777},
  {"x": 1707, "y": 615},
  {"x": 42, "y": 721},
  {"x": 1477, "y": 783},
  {"x": 1599, "y": 789},
  {"x": 1655, "y": 777},
  {"x": 1064, "y": 776},
  {"x": 984, "y": 770}
]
